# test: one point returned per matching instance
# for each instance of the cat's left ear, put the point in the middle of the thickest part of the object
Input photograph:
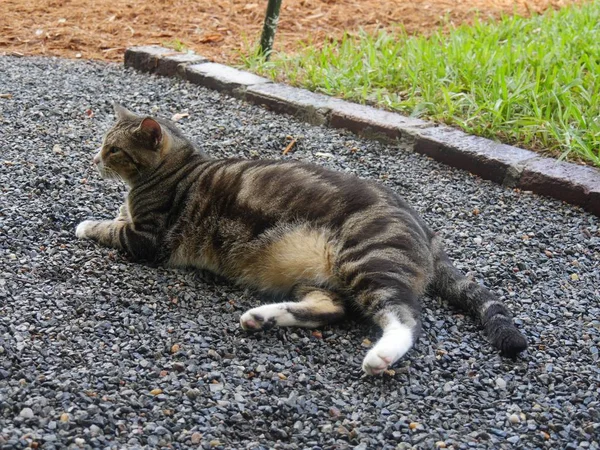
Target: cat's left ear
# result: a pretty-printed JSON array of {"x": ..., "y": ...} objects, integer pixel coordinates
[
  {"x": 151, "y": 129},
  {"x": 123, "y": 113}
]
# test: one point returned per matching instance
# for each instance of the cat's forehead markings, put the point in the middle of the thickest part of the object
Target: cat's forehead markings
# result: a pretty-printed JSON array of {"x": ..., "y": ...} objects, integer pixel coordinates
[{"x": 115, "y": 132}]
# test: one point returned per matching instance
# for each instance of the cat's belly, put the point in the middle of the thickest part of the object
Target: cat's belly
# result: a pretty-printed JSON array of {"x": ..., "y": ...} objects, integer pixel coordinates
[
  {"x": 299, "y": 256},
  {"x": 278, "y": 261},
  {"x": 187, "y": 256}
]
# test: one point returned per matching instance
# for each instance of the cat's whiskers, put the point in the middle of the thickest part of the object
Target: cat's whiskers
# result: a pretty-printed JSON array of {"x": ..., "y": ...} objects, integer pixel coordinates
[{"x": 109, "y": 173}]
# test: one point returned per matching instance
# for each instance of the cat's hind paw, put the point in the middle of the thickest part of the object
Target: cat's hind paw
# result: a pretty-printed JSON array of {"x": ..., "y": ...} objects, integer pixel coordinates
[
  {"x": 389, "y": 349},
  {"x": 83, "y": 229},
  {"x": 375, "y": 364}
]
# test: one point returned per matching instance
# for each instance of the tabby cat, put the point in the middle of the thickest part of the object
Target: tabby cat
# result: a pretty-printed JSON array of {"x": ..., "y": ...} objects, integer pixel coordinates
[{"x": 328, "y": 242}]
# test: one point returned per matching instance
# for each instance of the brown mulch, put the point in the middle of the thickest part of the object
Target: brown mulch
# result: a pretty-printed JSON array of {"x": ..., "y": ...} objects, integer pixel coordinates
[{"x": 221, "y": 30}]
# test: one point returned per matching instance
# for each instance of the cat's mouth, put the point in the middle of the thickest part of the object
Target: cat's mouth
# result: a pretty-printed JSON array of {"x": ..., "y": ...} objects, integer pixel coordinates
[
  {"x": 107, "y": 173},
  {"x": 102, "y": 170}
]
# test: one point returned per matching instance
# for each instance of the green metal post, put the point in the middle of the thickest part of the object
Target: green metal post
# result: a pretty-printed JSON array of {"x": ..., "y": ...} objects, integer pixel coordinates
[{"x": 268, "y": 33}]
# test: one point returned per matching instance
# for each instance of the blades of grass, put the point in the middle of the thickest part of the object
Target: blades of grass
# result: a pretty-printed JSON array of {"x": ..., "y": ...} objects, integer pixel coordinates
[{"x": 530, "y": 81}]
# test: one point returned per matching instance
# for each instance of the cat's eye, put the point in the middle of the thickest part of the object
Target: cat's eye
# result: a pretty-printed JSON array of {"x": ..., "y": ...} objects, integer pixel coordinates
[{"x": 113, "y": 150}]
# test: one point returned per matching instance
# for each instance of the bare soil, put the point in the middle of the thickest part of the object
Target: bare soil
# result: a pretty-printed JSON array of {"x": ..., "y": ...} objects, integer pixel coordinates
[{"x": 220, "y": 30}]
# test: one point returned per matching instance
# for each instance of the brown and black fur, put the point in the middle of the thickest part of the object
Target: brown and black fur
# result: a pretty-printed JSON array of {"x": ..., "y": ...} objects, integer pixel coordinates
[{"x": 329, "y": 241}]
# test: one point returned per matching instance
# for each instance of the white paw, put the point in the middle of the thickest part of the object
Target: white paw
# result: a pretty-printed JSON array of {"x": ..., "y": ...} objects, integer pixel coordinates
[
  {"x": 389, "y": 349},
  {"x": 374, "y": 363},
  {"x": 123, "y": 213},
  {"x": 249, "y": 322},
  {"x": 258, "y": 319},
  {"x": 83, "y": 229},
  {"x": 265, "y": 317}
]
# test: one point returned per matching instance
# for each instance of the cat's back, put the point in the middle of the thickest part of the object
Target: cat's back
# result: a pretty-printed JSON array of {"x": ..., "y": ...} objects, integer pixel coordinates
[
  {"x": 293, "y": 189},
  {"x": 241, "y": 214},
  {"x": 262, "y": 193}
]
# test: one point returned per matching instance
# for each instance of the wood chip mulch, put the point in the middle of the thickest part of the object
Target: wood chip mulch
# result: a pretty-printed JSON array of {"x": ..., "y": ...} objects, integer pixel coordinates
[{"x": 102, "y": 29}]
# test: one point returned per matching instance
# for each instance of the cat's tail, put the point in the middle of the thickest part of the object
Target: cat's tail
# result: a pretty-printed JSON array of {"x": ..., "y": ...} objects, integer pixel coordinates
[{"x": 465, "y": 293}]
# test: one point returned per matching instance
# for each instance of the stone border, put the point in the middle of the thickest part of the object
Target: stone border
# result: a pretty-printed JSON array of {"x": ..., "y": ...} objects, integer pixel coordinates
[{"x": 504, "y": 164}]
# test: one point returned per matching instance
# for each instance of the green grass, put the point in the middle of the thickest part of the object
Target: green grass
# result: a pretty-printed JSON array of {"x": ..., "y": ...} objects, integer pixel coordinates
[
  {"x": 176, "y": 45},
  {"x": 530, "y": 82}
]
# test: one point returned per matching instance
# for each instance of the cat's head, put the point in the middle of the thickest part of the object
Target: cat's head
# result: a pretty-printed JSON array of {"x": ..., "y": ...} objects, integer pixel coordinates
[{"x": 135, "y": 146}]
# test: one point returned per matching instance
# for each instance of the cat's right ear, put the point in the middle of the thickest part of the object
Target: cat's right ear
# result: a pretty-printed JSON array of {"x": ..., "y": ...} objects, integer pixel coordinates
[
  {"x": 123, "y": 113},
  {"x": 151, "y": 131}
]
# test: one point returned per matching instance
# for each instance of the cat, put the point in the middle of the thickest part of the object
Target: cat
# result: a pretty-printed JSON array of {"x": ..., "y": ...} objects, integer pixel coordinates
[{"x": 331, "y": 243}]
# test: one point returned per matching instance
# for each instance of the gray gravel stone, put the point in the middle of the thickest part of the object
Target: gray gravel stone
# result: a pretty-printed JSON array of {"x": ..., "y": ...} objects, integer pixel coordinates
[
  {"x": 500, "y": 383},
  {"x": 26, "y": 413},
  {"x": 78, "y": 320}
]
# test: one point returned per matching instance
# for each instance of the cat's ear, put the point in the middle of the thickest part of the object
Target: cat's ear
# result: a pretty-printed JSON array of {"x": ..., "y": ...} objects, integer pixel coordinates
[
  {"x": 122, "y": 113},
  {"x": 151, "y": 130}
]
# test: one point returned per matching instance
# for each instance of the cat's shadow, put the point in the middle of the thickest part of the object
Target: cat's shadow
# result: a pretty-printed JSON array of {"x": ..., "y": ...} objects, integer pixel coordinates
[{"x": 354, "y": 322}]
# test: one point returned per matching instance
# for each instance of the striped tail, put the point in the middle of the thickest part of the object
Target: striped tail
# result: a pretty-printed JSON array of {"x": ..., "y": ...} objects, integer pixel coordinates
[{"x": 497, "y": 321}]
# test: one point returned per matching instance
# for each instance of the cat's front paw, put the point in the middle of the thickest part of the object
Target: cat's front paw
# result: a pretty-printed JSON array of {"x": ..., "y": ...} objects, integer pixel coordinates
[
  {"x": 123, "y": 213},
  {"x": 83, "y": 229},
  {"x": 255, "y": 321}
]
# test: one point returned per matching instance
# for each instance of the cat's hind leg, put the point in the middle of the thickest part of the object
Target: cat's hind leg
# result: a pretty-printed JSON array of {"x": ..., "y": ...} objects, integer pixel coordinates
[
  {"x": 316, "y": 307},
  {"x": 400, "y": 330},
  {"x": 387, "y": 289}
]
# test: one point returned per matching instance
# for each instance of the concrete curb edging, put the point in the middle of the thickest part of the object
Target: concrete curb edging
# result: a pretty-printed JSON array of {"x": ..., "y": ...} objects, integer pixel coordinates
[{"x": 501, "y": 163}]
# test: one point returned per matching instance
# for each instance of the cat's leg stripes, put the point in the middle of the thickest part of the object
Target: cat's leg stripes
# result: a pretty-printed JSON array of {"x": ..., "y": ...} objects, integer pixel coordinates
[
  {"x": 120, "y": 234},
  {"x": 481, "y": 303},
  {"x": 105, "y": 232},
  {"x": 316, "y": 308}
]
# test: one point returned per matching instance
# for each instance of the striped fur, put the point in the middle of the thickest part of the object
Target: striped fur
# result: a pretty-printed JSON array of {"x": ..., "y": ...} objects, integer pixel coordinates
[{"x": 332, "y": 242}]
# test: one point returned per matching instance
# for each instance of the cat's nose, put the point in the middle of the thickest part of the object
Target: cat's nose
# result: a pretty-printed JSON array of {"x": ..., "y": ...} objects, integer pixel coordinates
[{"x": 97, "y": 156}]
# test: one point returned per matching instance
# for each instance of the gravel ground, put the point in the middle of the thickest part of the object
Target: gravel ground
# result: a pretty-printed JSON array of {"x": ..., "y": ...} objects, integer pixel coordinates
[{"x": 100, "y": 352}]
